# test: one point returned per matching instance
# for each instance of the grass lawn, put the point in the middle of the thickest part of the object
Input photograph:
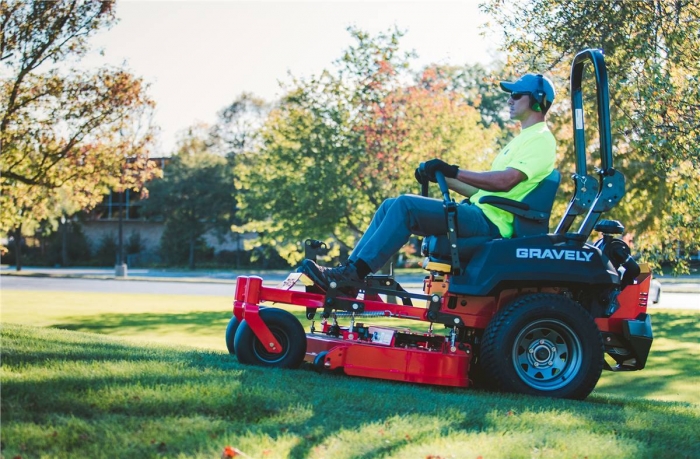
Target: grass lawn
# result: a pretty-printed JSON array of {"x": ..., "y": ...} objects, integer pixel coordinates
[{"x": 162, "y": 385}]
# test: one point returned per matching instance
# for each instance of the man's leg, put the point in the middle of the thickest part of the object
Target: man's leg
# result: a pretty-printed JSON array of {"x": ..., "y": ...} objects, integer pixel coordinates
[
  {"x": 411, "y": 214},
  {"x": 391, "y": 227},
  {"x": 386, "y": 219},
  {"x": 376, "y": 222},
  {"x": 398, "y": 220}
]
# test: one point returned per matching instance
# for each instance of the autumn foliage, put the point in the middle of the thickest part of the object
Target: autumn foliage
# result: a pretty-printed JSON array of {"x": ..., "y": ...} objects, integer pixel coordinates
[
  {"x": 340, "y": 143},
  {"x": 67, "y": 135}
]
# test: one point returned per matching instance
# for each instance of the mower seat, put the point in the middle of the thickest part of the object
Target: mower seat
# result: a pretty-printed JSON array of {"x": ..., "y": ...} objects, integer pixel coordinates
[{"x": 530, "y": 217}]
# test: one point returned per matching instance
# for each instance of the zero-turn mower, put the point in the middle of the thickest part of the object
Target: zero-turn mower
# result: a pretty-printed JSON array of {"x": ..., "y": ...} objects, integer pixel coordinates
[{"x": 534, "y": 314}]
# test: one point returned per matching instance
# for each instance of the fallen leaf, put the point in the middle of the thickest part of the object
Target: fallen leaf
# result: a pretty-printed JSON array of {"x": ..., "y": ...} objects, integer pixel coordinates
[{"x": 228, "y": 452}]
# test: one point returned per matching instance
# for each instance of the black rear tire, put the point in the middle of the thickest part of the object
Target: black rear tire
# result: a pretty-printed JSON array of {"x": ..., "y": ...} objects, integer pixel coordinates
[
  {"x": 231, "y": 329},
  {"x": 288, "y": 332},
  {"x": 543, "y": 344}
]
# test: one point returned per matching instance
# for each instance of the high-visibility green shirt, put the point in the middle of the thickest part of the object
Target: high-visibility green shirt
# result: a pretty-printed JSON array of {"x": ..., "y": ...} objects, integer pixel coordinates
[{"x": 532, "y": 152}]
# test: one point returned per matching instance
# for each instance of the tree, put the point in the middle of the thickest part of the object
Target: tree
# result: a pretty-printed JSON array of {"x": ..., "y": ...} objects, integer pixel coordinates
[
  {"x": 195, "y": 196},
  {"x": 340, "y": 143},
  {"x": 478, "y": 85},
  {"x": 236, "y": 134},
  {"x": 238, "y": 125},
  {"x": 651, "y": 54},
  {"x": 66, "y": 135}
]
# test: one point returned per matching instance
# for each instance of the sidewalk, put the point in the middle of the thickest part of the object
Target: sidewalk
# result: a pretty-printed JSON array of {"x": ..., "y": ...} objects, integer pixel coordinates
[
  {"x": 680, "y": 284},
  {"x": 137, "y": 274}
]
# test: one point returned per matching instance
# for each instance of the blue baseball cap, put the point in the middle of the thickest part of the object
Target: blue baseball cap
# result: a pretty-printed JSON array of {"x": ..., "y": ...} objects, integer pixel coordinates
[{"x": 530, "y": 84}]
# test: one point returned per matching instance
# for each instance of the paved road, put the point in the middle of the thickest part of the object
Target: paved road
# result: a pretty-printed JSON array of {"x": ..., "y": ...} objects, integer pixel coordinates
[
  {"x": 191, "y": 287},
  {"x": 200, "y": 286}
]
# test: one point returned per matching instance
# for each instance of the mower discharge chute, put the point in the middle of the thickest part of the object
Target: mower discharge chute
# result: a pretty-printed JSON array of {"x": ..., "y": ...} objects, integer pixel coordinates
[{"x": 534, "y": 314}]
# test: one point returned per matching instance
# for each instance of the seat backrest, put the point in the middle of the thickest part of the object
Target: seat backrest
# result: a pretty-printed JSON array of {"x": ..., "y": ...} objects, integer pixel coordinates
[
  {"x": 531, "y": 215},
  {"x": 540, "y": 201}
]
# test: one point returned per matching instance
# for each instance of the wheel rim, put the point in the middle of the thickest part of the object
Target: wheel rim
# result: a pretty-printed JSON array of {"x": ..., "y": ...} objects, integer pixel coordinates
[
  {"x": 263, "y": 354},
  {"x": 547, "y": 354}
]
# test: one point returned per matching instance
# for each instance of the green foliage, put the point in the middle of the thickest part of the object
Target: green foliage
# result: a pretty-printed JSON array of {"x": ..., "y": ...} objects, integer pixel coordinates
[
  {"x": 175, "y": 245},
  {"x": 477, "y": 84},
  {"x": 196, "y": 195},
  {"x": 651, "y": 55},
  {"x": 68, "y": 394},
  {"x": 77, "y": 246},
  {"x": 106, "y": 250},
  {"x": 47, "y": 249},
  {"x": 340, "y": 143},
  {"x": 134, "y": 244},
  {"x": 238, "y": 126}
]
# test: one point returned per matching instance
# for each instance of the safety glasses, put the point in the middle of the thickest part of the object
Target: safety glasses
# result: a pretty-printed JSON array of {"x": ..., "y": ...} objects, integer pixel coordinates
[{"x": 517, "y": 95}]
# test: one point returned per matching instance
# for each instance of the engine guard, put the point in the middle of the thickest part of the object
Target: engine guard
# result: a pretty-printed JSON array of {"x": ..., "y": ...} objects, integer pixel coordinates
[{"x": 635, "y": 341}]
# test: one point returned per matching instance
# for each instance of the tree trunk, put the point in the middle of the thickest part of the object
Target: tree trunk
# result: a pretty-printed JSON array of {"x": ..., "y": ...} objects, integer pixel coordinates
[
  {"x": 238, "y": 250},
  {"x": 64, "y": 244},
  {"x": 120, "y": 241},
  {"x": 191, "y": 258},
  {"x": 18, "y": 248}
]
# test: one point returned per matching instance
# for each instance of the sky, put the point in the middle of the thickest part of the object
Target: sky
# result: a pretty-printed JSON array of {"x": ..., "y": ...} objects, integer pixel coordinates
[{"x": 198, "y": 56}]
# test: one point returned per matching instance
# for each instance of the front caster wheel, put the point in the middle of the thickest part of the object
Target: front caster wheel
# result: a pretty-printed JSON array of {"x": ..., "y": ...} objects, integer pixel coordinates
[
  {"x": 287, "y": 331},
  {"x": 319, "y": 362},
  {"x": 543, "y": 344},
  {"x": 231, "y": 329}
]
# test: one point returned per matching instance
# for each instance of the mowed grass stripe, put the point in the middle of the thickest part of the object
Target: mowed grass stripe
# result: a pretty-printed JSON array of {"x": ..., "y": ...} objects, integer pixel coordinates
[
  {"x": 71, "y": 394},
  {"x": 672, "y": 373},
  {"x": 68, "y": 394},
  {"x": 191, "y": 320}
]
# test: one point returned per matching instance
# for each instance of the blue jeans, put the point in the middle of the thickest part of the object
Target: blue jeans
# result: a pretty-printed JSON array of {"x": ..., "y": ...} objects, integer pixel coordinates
[{"x": 398, "y": 218}]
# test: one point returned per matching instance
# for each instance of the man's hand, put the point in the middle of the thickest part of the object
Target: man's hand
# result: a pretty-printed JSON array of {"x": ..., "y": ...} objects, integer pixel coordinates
[
  {"x": 438, "y": 165},
  {"x": 421, "y": 177}
]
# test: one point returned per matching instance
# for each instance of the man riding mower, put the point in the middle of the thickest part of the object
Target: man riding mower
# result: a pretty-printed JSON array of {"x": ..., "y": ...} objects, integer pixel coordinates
[{"x": 535, "y": 313}]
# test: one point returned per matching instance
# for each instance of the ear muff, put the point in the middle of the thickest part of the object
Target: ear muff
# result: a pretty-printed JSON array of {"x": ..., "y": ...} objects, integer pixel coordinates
[{"x": 539, "y": 98}]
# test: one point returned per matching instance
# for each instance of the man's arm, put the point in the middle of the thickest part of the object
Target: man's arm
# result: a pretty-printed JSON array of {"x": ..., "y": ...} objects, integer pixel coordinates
[
  {"x": 503, "y": 180},
  {"x": 460, "y": 187}
]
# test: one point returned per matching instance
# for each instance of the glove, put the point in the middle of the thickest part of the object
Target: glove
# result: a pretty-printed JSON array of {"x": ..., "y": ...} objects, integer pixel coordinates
[
  {"x": 438, "y": 165},
  {"x": 421, "y": 177}
]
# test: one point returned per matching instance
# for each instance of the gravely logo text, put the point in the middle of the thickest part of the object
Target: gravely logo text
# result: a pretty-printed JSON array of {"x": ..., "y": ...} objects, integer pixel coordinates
[{"x": 554, "y": 254}]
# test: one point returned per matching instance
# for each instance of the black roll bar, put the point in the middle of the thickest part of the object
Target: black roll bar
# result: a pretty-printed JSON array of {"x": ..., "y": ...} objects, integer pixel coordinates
[
  {"x": 603, "y": 97},
  {"x": 593, "y": 195}
]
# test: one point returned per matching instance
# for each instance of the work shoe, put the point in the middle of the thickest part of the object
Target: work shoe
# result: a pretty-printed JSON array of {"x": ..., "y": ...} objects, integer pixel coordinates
[{"x": 323, "y": 276}]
